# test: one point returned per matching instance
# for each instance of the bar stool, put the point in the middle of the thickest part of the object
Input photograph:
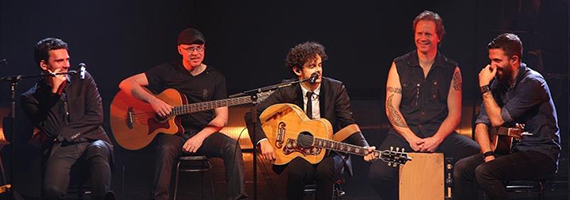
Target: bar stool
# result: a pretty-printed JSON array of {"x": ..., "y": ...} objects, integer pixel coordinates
[
  {"x": 193, "y": 163},
  {"x": 311, "y": 189},
  {"x": 537, "y": 186}
]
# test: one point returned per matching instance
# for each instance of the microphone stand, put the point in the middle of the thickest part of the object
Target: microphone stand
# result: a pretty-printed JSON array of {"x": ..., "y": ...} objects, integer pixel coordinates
[
  {"x": 255, "y": 119},
  {"x": 13, "y": 83}
]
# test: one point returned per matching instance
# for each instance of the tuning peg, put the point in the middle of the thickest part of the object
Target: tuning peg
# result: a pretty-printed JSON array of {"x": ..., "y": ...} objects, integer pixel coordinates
[
  {"x": 389, "y": 164},
  {"x": 391, "y": 148},
  {"x": 403, "y": 150},
  {"x": 397, "y": 148}
]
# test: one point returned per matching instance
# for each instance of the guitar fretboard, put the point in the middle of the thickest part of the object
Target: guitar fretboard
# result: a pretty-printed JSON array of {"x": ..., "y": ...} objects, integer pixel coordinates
[
  {"x": 340, "y": 147},
  {"x": 197, "y": 107}
]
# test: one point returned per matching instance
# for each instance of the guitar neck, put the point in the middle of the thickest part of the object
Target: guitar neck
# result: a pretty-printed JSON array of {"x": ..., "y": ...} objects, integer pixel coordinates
[
  {"x": 340, "y": 147},
  {"x": 209, "y": 105}
]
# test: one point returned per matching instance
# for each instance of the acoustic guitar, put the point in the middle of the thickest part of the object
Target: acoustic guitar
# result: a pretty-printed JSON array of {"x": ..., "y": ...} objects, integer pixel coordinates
[
  {"x": 503, "y": 138},
  {"x": 292, "y": 134},
  {"x": 134, "y": 124}
]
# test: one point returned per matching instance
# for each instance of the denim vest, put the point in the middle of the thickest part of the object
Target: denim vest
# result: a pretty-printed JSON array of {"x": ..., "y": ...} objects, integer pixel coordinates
[{"x": 424, "y": 100}]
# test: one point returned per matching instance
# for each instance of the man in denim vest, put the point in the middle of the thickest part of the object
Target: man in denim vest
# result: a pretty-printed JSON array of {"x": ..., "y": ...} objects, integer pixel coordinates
[{"x": 423, "y": 104}]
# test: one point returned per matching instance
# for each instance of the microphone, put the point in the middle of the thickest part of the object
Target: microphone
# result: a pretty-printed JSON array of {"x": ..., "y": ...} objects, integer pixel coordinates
[
  {"x": 313, "y": 78},
  {"x": 81, "y": 71}
]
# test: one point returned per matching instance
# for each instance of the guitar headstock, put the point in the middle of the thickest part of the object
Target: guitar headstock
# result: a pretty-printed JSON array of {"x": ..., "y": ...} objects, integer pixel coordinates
[
  {"x": 263, "y": 95},
  {"x": 393, "y": 157}
]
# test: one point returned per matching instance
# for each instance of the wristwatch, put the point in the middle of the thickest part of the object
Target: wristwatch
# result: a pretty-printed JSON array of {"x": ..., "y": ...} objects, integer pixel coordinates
[
  {"x": 488, "y": 153},
  {"x": 484, "y": 89}
]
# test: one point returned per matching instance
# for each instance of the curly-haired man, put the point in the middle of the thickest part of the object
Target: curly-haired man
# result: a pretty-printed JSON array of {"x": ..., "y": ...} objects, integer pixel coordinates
[{"x": 325, "y": 98}]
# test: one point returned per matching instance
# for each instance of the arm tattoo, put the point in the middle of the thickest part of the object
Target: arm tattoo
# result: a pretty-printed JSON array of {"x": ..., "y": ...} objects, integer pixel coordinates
[
  {"x": 395, "y": 117},
  {"x": 394, "y": 89},
  {"x": 457, "y": 81}
]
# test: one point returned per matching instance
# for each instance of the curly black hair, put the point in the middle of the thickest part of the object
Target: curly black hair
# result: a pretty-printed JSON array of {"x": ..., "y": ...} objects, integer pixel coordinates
[
  {"x": 304, "y": 52},
  {"x": 41, "y": 51}
]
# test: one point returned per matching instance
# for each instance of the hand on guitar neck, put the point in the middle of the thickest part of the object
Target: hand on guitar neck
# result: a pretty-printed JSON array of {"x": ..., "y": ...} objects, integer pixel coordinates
[{"x": 371, "y": 156}]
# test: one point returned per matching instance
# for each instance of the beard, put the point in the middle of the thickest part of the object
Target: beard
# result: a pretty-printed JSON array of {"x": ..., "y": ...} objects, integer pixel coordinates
[{"x": 504, "y": 73}]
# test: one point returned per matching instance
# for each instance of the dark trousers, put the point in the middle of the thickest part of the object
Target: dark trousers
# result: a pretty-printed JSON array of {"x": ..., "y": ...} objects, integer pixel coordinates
[
  {"x": 326, "y": 173},
  {"x": 473, "y": 172},
  {"x": 92, "y": 157},
  {"x": 169, "y": 149},
  {"x": 384, "y": 178}
]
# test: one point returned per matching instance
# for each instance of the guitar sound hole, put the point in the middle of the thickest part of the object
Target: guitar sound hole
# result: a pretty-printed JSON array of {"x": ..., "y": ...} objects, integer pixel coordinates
[{"x": 305, "y": 139}]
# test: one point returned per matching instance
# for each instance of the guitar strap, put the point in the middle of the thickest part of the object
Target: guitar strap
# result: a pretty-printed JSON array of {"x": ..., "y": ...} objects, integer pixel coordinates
[{"x": 346, "y": 132}]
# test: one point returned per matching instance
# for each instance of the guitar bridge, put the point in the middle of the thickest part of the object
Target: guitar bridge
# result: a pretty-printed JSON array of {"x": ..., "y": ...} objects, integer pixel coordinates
[{"x": 130, "y": 118}]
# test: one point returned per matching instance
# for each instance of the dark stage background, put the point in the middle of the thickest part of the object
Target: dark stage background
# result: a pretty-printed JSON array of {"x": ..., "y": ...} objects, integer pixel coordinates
[{"x": 248, "y": 41}]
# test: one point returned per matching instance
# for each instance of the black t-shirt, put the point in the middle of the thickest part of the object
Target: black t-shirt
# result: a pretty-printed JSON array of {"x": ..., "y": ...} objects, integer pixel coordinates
[{"x": 207, "y": 86}]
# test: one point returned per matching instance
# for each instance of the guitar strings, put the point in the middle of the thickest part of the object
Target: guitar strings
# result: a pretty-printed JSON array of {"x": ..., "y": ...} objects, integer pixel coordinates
[{"x": 146, "y": 115}]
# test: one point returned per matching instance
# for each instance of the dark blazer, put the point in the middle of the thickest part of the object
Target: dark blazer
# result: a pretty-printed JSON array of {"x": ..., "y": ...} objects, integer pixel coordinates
[
  {"x": 334, "y": 106},
  {"x": 82, "y": 102}
]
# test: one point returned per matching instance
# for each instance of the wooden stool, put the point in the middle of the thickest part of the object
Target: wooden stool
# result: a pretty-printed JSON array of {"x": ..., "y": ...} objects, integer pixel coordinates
[{"x": 422, "y": 178}]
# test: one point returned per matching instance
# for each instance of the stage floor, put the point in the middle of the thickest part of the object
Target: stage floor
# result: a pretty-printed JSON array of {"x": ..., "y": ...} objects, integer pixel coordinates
[{"x": 272, "y": 186}]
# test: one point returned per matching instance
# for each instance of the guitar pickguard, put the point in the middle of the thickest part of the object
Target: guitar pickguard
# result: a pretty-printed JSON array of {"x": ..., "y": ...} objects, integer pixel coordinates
[
  {"x": 292, "y": 147},
  {"x": 280, "y": 135}
]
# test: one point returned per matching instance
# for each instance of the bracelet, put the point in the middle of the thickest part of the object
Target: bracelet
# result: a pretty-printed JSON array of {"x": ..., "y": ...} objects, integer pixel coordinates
[
  {"x": 488, "y": 153},
  {"x": 484, "y": 89}
]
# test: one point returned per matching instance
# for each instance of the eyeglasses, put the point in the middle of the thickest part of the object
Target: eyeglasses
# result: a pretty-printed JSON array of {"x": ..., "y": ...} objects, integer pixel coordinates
[{"x": 192, "y": 49}]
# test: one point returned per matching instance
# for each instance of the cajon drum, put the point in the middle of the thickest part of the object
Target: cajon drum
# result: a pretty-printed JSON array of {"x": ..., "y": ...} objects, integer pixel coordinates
[{"x": 422, "y": 178}]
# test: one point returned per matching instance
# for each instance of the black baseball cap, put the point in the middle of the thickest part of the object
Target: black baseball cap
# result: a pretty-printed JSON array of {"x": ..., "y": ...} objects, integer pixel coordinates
[{"x": 190, "y": 36}]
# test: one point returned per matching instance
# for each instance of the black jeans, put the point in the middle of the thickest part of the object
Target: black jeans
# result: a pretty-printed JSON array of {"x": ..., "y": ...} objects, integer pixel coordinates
[
  {"x": 94, "y": 156},
  {"x": 472, "y": 172},
  {"x": 325, "y": 173},
  {"x": 169, "y": 149},
  {"x": 384, "y": 178}
]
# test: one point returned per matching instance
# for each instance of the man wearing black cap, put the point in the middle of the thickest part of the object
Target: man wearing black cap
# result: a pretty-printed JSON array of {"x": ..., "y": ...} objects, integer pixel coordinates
[{"x": 199, "y": 83}]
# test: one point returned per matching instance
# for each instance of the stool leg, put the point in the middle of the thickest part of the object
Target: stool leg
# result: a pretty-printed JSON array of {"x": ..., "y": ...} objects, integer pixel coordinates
[
  {"x": 540, "y": 191},
  {"x": 176, "y": 180},
  {"x": 337, "y": 191},
  {"x": 80, "y": 192},
  {"x": 202, "y": 185},
  {"x": 212, "y": 185}
]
